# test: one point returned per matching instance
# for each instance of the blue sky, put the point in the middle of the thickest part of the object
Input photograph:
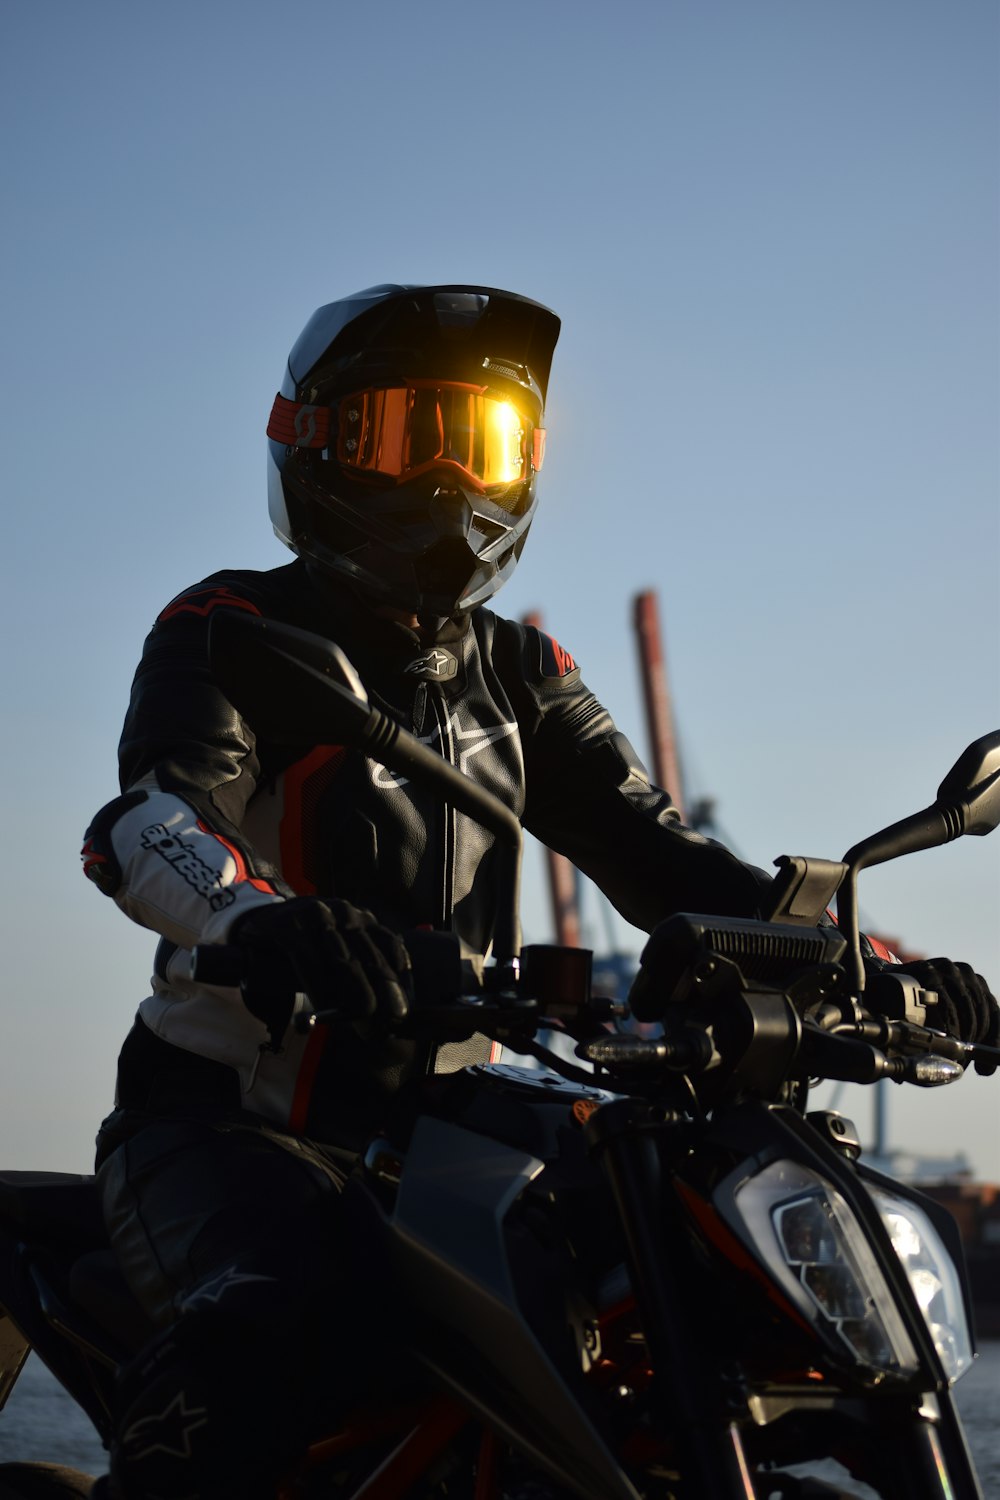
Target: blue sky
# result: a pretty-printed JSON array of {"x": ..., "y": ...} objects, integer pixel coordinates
[{"x": 771, "y": 230}]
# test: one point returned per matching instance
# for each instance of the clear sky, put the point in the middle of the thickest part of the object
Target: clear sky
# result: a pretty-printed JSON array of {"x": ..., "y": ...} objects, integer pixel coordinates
[{"x": 771, "y": 230}]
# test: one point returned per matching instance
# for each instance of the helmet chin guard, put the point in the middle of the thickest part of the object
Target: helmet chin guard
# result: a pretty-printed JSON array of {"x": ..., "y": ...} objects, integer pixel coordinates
[{"x": 405, "y": 443}]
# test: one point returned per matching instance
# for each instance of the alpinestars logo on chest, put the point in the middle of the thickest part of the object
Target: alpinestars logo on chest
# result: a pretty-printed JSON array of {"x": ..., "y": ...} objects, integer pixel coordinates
[
  {"x": 440, "y": 665},
  {"x": 459, "y": 745}
]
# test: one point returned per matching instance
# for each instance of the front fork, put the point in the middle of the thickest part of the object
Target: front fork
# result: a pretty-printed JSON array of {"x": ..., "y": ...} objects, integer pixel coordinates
[
  {"x": 937, "y": 1462},
  {"x": 687, "y": 1392}
]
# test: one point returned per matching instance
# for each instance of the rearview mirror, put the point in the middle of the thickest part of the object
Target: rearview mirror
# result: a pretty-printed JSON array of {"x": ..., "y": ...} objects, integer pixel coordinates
[
  {"x": 968, "y": 801},
  {"x": 972, "y": 786}
]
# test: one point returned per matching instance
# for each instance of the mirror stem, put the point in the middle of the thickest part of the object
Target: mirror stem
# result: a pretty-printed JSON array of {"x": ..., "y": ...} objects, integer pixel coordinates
[
  {"x": 847, "y": 921},
  {"x": 935, "y": 825},
  {"x": 507, "y": 933}
]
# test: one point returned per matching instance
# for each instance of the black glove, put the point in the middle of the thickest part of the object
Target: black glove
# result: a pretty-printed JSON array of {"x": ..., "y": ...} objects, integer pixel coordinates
[
  {"x": 335, "y": 953},
  {"x": 965, "y": 1009}
]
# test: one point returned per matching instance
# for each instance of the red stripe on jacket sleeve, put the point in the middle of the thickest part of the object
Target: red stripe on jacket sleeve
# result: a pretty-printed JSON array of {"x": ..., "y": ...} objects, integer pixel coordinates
[{"x": 242, "y": 873}]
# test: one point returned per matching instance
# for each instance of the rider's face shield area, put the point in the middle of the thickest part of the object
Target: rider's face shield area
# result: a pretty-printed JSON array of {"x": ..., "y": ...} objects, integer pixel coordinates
[
  {"x": 933, "y": 1279},
  {"x": 398, "y": 432},
  {"x": 807, "y": 1235}
]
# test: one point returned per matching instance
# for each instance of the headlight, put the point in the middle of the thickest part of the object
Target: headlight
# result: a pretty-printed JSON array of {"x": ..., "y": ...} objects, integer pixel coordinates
[
  {"x": 933, "y": 1277},
  {"x": 808, "y": 1236}
]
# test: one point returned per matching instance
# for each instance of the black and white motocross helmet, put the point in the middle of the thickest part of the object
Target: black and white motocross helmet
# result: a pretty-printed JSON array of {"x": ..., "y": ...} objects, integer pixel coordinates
[{"x": 405, "y": 443}]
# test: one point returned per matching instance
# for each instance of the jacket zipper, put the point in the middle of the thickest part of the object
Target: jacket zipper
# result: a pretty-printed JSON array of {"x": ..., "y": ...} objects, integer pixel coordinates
[{"x": 443, "y": 721}]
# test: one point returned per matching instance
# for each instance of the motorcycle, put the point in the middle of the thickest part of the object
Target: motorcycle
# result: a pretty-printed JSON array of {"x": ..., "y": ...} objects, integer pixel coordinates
[{"x": 652, "y": 1273}]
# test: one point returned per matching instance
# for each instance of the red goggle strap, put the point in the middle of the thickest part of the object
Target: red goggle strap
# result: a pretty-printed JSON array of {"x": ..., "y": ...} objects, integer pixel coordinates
[
  {"x": 537, "y": 447},
  {"x": 298, "y": 425}
]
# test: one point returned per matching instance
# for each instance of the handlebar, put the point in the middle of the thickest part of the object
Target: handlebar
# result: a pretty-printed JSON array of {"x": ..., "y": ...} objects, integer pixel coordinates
[
  {"x": 298, "y": 679},
  {"x": 704, "y": 1034}
]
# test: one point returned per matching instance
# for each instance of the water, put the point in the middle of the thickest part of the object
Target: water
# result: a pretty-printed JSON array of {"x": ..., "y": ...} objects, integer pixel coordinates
[
  {"x": 41, "y": 1422},
  {"x": 978, "y": 1397}
]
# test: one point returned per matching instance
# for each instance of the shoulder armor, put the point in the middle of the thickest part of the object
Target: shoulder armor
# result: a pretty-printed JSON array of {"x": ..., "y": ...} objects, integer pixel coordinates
[
  {"x": 202, "y": 599},
  {"x": 554, "y": 661},
  {"x": 227, "y": 590},
  {"x": 544, "y": 658}
]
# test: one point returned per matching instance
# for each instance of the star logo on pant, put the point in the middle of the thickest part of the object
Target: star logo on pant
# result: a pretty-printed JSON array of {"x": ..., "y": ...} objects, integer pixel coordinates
[
  {"x": 168, "y": 1431},
  {"x": 214, "y": 1290}
]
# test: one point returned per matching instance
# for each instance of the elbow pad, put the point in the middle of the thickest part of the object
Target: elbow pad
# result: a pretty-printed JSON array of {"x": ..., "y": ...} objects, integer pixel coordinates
[
  {"x": 618, "y": 760},
  {"x": 100, "y": 863},
  {"x": 169, "y": 870}
]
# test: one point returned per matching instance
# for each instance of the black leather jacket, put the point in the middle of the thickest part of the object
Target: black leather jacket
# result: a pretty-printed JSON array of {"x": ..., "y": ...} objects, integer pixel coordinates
[{"x": 214, "y": 820}]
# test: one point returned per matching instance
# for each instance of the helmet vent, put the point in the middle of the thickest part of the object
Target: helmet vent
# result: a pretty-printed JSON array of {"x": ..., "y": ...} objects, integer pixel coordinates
[
  {"x": 512, "y": 372},
  {"x": 489, "y": 530}
]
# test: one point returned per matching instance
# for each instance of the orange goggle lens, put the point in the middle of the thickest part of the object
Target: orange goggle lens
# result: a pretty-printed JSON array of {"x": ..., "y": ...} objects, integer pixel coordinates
[{"x": 400, "y": 431}]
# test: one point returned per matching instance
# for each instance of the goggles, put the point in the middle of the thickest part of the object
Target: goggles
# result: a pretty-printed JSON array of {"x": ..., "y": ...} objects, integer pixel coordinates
[{"x": 398, "y": 432}]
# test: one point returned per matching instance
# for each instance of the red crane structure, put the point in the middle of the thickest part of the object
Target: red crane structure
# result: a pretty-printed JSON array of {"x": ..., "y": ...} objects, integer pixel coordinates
[{"x": 660, "y": 731}]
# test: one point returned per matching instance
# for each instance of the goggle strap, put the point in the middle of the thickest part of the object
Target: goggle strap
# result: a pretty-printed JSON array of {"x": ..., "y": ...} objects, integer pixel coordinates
[{"x": 299, "y": 425}]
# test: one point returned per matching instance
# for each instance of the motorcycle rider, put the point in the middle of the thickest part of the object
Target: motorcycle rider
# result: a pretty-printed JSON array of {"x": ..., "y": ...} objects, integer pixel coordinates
[{"x": 404, "y": 449}]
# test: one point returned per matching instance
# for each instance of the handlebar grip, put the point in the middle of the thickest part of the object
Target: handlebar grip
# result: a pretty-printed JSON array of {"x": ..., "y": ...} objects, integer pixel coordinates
[{"x": 219, "y": 963}]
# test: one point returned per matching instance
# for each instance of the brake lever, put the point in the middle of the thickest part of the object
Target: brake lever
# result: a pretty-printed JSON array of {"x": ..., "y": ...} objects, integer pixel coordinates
[{"x": 920, "y": 1040}]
